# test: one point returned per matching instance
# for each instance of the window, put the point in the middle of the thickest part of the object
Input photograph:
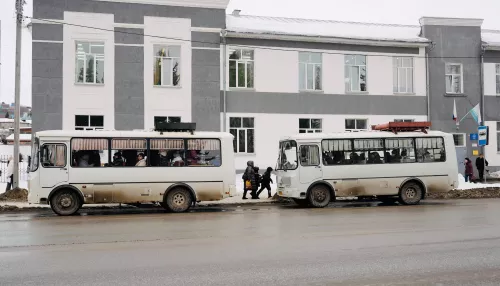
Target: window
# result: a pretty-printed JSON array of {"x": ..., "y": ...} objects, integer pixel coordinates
[
  {"x": 89, "y": 152},
  {"x": 89, "y": 122},
  {"x": 336, "y": 152},
  {"x": 459, "y": 139},
  {"x": 203, "y": 152},
  {"x": 169, "y": 119},
  {"x": 309, "y": 155},
  {"x": 241, "y": 68},
  {"x": 404, "y": 120},
  {"x": 399, "y": 151},
  {"x": 355, "y": 125},
  {"x": 53, "y": 155},
  {"x": 166, "y": 153},
  {"x": 288, "y": 155},
  {"x": 310, "y": 125},
  {"x": 498, "y": 136},
  {"x": 367, "y": 151},
  {"x": 243, "y": 130},
  {"x": 497, "y": 67},
  {"x": 403, "y": 75},
  {"x": 34, "y": 155},
  {"x": 167, "y": 65},
  {"x": 133, "y": 152},
  {"x": 310, "y": 71},
  {"x": 430, "y": 150},
  {"x": 89, "y": 62},
  {"x": 355, "y": 73},
  {"x": 454, "y": 83}
]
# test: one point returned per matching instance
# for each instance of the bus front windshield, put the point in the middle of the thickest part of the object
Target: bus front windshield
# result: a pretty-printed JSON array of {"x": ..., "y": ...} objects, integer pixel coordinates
[
  {"x": 34, "y": 155},
  {"x": 287, "y": 159}
]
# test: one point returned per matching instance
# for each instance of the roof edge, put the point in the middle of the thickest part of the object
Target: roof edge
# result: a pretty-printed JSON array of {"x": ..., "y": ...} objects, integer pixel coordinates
[
  {"x": 335, "y": 40},
  {"x": 442, "y": 21}
]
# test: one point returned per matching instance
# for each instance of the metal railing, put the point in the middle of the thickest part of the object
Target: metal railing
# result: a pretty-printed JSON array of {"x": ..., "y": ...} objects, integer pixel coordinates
[{"x": 23, "y": 168}]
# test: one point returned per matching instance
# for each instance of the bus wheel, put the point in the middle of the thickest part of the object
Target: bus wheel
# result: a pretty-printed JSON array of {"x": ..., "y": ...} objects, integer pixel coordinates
[
  {"x": 65, "y": 202},
  {"x": 410, "y": 194},
  {"x": 319, "y": 196},
  {"x": 301, "y": 202},
  {"x": 178, "y": 200}
]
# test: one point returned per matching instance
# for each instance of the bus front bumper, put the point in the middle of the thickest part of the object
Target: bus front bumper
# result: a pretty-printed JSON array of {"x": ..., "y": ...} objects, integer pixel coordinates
[{"x": 287, "y": 192}]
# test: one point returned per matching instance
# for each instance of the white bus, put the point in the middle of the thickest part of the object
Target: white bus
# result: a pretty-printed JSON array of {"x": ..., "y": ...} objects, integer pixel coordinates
[
  {"x": 315, "y": 169},
  {"x": 176, "y": 169}
]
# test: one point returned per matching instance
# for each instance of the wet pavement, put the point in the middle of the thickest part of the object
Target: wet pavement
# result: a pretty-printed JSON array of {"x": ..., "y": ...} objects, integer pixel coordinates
[{"x": 437, "y": 243}]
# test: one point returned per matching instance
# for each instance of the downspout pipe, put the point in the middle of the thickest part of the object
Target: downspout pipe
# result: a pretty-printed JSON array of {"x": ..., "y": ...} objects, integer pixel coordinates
[
  {"x": 428, "y": 84},
  {"x": 224, "y": 81},
  {"x": 481, "y": 75}
]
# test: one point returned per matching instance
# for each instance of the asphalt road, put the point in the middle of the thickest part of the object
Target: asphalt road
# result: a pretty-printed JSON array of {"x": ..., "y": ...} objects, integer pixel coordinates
[{"x": 452, "y": 243}]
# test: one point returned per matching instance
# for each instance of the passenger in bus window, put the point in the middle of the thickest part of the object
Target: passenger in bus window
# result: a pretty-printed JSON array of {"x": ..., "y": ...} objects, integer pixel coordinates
[
  {"x": 163, "y": 159},
  {"x": 118, "y": 160},
  {"x": 84, "y": 161},
  {"x": 177, "y": 161},
  {"x": 141, "y": 160}
]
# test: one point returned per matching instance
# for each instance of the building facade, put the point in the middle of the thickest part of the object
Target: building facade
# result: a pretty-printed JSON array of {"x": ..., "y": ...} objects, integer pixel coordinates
[
  {"x": 119, "y": 64},
  {"x": 122, "y": 64}
]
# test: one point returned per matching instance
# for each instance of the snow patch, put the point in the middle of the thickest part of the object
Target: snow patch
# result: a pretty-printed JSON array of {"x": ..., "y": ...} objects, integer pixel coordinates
[{"x": 463, "y": 185}]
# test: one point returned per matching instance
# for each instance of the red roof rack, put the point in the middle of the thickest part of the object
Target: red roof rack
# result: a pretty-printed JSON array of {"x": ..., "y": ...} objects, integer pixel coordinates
[{"x": 403, "y": 127}]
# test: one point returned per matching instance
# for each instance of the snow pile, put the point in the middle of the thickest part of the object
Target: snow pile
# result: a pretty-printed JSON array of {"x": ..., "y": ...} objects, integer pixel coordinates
[
  {"x": 323, "y": 28},
  {"x": 491, "y": 37},
  {"x": 462, "y": 185}
]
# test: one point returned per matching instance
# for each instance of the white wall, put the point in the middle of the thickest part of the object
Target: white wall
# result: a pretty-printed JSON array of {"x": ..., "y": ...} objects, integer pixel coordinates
[
  {"x": 490, "y": 79},
  {"x": 277, "y": 70},
  {"x": 88, "y": 99},
  {"x": 269, "y": 128},
  {"x": 491, "y": 153},
  {"x": 167, "y": 101}
]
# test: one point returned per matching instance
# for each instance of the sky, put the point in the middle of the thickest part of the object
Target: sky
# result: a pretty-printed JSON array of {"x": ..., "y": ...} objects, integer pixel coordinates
[{"x": 374, "y": 11}]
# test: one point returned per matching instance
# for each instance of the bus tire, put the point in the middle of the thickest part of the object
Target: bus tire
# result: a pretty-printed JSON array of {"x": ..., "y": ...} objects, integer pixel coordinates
[
  {"x": 65, "y": 202},
  {"x": 178, "y": 200},
  {"x": 410, "y": 194},
  {"x": 301, "y": 202},
  {"x": 319, "y": 196}
]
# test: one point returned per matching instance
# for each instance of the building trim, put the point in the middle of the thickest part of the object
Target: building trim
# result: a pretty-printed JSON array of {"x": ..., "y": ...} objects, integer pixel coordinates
[
  {"x": 206, "y": 30},
  {"x": 47, "y": 41},
  {"x": 129, "y": 45},
  {"x": 460, "y": 22},
  {"x": 129, "y": 25},
  {"x": 205, "y": 48},
  {"x": 218, "y": 4},
  {"x": 233, "y": 34}
]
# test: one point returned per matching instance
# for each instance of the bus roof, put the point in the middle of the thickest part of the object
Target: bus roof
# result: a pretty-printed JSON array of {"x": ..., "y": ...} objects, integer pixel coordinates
[
  {"x": 130, "y": 134},
  {"x": 362, "y": 134}
]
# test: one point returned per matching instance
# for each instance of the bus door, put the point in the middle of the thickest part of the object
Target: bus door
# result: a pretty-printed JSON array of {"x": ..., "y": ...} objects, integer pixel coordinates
[
  {"x": 310, "y": 163},
  {"x": 53, "y": 164}
]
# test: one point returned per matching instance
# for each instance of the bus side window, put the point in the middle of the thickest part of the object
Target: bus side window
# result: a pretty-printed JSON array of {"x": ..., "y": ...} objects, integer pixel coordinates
[
  {"x": 203, "y": 152},
  {"x": 89, "y": 152}
]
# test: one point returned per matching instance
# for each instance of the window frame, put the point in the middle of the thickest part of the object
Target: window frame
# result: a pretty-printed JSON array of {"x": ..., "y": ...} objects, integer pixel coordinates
[
  {"x": 237, "y": 62},
  {"x": 464, "y": 136},
  {"x": 414, "y": 139},
  {"x": 147, "y": 152},
  {"x": 65, "y": 155},
  {"x": 95, "y": 55},
  {"x": 397, "y": 70},
  {"x": 403, "y": 120},
  {"x": 314, "y": 65},
  {"x": 315, "y": 130},
  {"x": 162, "y": 71},
  {"x": 89, "y": 127},
  {"x": 497, "y": 79},
  {"x": 300, "y": 155},
  {"x": 453, "y": 76},
  {"x": 348, "y": 77},
  {"x": 356, "y": 123},
  {"x": 237, "y": 137}
]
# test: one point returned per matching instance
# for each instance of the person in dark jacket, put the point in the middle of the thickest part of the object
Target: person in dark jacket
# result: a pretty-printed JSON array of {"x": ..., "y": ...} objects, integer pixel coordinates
[
  {"x": 480, "y": 164},
  {"x": 468, "y": 170},
  {"x": 118, "y": 160},
  {"x": 257, "y": 183},
  {"x": 249, "y": 175},
  {"x": 265, "y": 182}
]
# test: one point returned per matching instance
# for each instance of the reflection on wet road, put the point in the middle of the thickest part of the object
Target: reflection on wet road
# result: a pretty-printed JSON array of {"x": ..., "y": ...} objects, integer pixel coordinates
[{"x": 450, "y": 243}]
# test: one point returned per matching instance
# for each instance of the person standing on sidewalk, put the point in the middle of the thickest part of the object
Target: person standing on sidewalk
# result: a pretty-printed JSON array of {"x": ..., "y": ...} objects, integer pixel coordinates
[
  {"x": 468, "y": 170},
  {"x": 10, "y": 174},
  {"x": 248, "y": 179},
  {"x": 481, "y": 163}
]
